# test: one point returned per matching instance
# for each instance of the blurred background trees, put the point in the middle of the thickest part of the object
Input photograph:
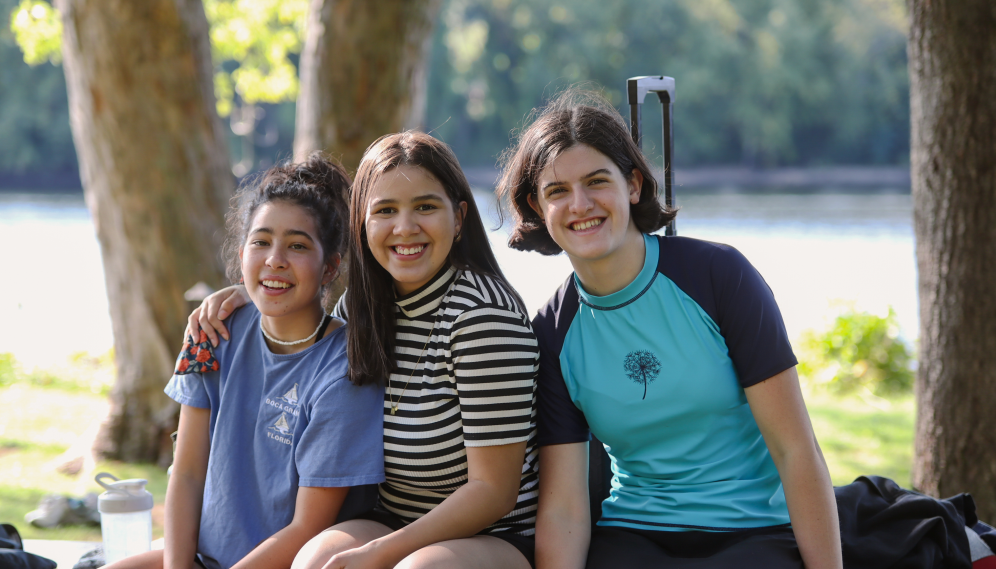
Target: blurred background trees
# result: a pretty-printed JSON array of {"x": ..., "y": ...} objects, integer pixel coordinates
[{"x": 762, "y": 82}]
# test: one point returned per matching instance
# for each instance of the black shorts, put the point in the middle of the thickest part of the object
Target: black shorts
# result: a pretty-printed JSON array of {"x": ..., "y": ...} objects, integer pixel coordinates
[
  {"x": 622, "y": 547},
  {"x": 526, "y": 544}
]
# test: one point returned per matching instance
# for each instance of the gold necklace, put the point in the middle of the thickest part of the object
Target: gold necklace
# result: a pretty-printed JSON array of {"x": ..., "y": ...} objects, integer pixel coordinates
[{"x": 394, "y": 406}]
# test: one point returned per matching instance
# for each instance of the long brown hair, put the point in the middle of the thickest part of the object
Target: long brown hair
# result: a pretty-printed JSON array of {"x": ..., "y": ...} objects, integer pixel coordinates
[
  {"x": 370, "y": 299},
  {"x": 574, "y": 118}
]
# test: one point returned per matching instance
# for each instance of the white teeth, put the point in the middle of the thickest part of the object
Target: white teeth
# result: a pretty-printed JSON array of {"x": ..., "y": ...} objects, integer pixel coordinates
[
  {"x": 276, "y": 284},
  {"x": 586, "y": 224},
  {"x": 408, "y": 250}
]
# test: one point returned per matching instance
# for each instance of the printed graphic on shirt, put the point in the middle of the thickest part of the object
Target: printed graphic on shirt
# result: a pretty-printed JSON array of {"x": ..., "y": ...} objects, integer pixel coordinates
[
  {"x": 286, "y": 436},
  {"x": 282, "y": 431},
  {"x": 643, "y": 367}
]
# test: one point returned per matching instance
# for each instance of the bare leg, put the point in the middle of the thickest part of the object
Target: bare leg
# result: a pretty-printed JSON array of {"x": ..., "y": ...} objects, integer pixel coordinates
[
  {"x": 478, "y": 552},
  {"x": 148, "y": 560},
  {"x": 336, "y": 539}
]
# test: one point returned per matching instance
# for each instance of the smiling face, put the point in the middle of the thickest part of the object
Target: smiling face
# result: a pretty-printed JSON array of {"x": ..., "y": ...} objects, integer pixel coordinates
[
  {"x": 411, "y": 224},
  {"x": 584, "y": 201},
  {"x": 283, "y": 265}
]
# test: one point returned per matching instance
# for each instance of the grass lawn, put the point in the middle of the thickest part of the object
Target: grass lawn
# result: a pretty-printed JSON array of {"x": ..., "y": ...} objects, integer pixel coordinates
[{"x": 39, "y": 423}]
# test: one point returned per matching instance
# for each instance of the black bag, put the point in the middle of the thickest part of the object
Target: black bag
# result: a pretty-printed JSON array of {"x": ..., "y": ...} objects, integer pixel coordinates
[{"x": 12, "y": 554}]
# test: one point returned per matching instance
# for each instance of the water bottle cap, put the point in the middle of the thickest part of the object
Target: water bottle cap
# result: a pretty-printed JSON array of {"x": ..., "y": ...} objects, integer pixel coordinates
[{"x": 123, "y": 496}]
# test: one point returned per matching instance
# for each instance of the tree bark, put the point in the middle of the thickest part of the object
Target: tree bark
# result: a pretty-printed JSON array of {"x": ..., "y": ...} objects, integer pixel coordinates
[
  {"x": 952, "y": 63},
  {"x": 363, "y": 74},
  {"x": 155, "y": 171}
]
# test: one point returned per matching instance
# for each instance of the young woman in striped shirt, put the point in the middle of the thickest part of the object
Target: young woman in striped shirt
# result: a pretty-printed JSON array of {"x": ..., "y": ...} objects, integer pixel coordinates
[{"x": 429, "y": 309}]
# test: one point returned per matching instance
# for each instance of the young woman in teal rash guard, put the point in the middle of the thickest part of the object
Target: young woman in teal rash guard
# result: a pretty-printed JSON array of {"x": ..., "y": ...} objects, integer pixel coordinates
[
  {"x": 431, "y": 316},
  {"x": 272, "y": 431},
  {"x": 673, "y": 353}
]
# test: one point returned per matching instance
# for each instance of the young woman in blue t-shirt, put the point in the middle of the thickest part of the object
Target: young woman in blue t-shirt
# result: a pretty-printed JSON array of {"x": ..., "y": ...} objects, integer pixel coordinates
[
  {"x": 673, "y": 353},
  {"x": 431, "y": 315},
  {"x": 272, "y": 431}
]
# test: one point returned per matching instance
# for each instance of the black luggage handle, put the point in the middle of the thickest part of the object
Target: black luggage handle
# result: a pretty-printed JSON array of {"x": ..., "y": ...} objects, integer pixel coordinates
[{"x": 637, "y": 88}]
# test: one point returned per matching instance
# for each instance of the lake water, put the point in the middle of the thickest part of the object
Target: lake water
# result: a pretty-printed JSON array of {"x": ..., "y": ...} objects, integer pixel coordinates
[{"x": 817, "y": 251}]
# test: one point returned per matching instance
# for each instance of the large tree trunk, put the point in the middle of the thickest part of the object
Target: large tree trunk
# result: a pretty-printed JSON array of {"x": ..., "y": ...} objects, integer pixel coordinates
[
  {"x": 363, "y": 74},
  {"x": 156, "y": 177},
  {"x": 952, "y": 62}
]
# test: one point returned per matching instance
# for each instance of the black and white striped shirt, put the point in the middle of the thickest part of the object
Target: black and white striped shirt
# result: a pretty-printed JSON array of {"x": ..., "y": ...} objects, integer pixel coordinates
[{"x": 471, "y": 383}]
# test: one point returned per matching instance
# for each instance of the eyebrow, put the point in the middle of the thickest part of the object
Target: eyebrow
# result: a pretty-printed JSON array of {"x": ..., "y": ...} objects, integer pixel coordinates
[
  {"x": 424, "y": 197},
  {"x": 287, "y": 233},
  {"x": 600, "y": 171}
]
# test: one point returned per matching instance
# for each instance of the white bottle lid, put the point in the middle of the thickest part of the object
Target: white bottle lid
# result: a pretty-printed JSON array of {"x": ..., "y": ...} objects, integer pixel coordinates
[{"x": 123, "y": 496}]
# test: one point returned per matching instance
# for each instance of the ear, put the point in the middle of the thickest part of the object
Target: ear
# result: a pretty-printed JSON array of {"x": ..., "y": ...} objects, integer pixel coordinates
[
  {"x": 331, "y": 269},
  {"x": 531, "y": 200},
  {"x": 459, "y": 214},
  {"x": 635, "y": 186}
]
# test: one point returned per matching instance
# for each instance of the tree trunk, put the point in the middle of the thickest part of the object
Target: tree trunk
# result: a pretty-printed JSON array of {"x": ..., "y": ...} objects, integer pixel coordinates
[
  {"x": 156, "y": 177},
  {"x": 952, "y": 63},
  {"x": 363, "y": 74}
]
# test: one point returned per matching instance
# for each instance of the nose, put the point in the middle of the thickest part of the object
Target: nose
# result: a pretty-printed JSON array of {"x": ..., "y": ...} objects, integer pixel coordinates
[
  {"x": 277, "y": 259},
  {"x": 405, "y": 224},
  {"x": 580, "y": 201}
]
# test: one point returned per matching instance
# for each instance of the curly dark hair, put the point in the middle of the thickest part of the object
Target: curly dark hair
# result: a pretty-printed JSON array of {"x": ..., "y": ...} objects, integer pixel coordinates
[
  {"x": 575, "y": 117},
  {"x": 319, "y": 185}
]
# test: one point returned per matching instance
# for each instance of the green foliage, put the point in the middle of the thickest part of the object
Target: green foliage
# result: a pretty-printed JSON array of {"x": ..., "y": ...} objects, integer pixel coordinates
[
  {"x": 859, "y": 350},
  {"x": 252, "y": 43},
  {"x": 759, "y": 82},
  {"x": 8, "y": 368},
  {"x": 34, "y": 110},
  {"x": 38, "y": 30}
]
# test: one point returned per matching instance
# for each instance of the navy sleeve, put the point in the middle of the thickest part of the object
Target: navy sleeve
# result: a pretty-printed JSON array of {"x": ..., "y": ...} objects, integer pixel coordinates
[
  {"x": 559, "y": 421},
  {"x": 731, "y": 291}
]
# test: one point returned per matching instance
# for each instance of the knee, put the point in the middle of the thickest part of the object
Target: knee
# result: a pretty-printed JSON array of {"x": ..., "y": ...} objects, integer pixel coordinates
[{"x": 321, "y": 548}]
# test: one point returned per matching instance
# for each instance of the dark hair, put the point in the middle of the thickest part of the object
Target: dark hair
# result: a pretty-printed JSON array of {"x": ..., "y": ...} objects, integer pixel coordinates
[
  {"x": 574, "y": 118},
  {"x": 318, "y": 185},
  {"x": 370, "y": 300}
]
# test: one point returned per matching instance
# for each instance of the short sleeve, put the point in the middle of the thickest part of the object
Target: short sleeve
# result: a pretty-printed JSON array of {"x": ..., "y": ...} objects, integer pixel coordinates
[
  {"x": 189, "y": 389},
  {"x": 749, "y": 320},
  {"x": 343, "y": 443},
  {"x": 559, "y": 420},
  {"x": 495, "y": 358}
]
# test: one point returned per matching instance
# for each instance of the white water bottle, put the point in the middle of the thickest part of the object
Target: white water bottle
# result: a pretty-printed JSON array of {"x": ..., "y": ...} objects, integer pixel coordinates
[{"x": 125, "y": 517}]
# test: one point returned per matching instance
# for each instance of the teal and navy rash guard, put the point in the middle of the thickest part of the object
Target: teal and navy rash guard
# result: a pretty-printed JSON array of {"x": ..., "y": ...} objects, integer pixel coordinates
[{"x": 657, "y": 372}]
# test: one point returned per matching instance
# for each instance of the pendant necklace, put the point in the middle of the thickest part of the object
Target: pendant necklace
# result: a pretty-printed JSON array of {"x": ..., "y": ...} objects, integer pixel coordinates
[{"x": 394, "y": 406}]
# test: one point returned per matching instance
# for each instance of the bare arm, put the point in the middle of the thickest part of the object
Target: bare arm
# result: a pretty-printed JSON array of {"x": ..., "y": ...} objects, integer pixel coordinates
[
  {"x": 185, "y": 492},
  {"x": 314, "y": 510},
  {"x": 491, "y": 492},
  {"x": 215, "y": 308},
  {"x": 563, "y": 527},
  {"x": 780, "y": 412}
]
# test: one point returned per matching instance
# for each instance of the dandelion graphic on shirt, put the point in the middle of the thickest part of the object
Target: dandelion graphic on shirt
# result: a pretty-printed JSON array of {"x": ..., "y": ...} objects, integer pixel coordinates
[{"x": 643, "y": 367}]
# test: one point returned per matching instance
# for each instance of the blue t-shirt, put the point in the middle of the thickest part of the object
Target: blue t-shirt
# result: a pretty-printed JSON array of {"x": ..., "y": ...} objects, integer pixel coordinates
[
  {"x": 657, "y": 372},
  {"x": 277, "y": 422}
]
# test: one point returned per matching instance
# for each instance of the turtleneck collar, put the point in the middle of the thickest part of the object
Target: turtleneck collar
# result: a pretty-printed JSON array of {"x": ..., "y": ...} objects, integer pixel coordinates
[{"x": 428, "y": 297}]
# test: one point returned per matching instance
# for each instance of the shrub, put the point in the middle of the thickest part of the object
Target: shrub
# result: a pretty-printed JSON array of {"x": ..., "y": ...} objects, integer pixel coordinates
[{"x": 859, "y": 350}]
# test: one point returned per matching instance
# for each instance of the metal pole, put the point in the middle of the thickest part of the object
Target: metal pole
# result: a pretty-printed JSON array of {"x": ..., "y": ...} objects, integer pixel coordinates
[{"x": 637, "y": 89}]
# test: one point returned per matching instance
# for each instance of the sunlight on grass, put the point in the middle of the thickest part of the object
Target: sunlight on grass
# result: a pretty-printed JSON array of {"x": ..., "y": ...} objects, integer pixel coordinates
[
  {"x": 861, "y": 436},
  {"x": 37, "y": 426}
]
